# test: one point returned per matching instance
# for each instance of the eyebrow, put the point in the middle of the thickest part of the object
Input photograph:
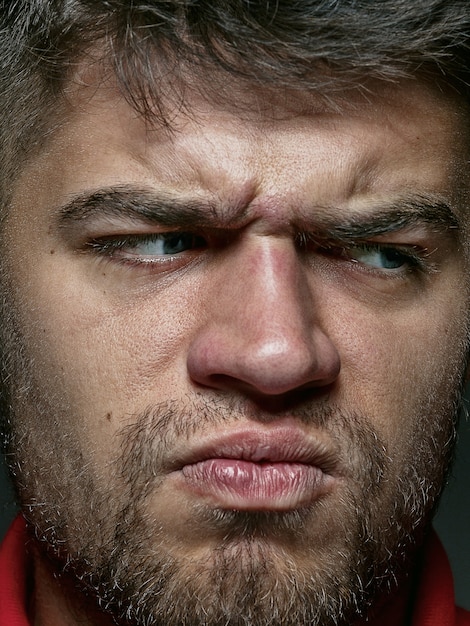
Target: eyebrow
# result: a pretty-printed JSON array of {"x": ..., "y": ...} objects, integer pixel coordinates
[
  {"x": 386, "y": 218},
  {"x": 127, "y": 202},
  {"x": 328, "y": 222}
]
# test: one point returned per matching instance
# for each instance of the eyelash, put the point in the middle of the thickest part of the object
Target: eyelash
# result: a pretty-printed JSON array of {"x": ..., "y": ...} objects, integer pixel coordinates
[
  {"x": 110, "y": 246},
  {"x": 414, "y": 258}
]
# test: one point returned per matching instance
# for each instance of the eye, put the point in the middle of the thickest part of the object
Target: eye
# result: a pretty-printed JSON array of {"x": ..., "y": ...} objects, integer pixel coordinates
[
  {"x": 381, "y": 257},
  {"x": 165, "y": 244},
  {"x": 149, "y": 246}
]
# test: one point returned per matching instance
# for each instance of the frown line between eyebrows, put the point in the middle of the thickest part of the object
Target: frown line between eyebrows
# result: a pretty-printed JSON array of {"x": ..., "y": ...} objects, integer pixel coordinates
[{"x": 341, "y": 224}]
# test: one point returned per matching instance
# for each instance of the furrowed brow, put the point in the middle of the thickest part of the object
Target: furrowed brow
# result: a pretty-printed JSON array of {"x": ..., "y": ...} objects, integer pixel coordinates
[
  {"x": 384, "y": 219},
  {"x": 130, "y": 203}
]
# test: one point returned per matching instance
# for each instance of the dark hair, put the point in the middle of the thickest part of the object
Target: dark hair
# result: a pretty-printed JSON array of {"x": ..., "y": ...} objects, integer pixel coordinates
[{"x": 325, "y": 45}]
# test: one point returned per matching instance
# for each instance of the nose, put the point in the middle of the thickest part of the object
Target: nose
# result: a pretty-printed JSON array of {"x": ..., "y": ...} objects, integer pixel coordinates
[{"x": 261, "y": 331}]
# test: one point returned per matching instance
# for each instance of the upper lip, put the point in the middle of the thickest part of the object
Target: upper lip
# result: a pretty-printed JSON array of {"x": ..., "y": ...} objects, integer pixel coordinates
[{"x": 275, "y": 444}]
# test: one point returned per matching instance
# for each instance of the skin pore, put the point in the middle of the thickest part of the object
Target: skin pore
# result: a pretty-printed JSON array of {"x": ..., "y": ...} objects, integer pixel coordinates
[{"x": 238, "y": 354}]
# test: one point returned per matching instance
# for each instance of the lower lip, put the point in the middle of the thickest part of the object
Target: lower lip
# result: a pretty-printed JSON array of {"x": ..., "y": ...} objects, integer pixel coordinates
[{"x": 248, "y": 486}]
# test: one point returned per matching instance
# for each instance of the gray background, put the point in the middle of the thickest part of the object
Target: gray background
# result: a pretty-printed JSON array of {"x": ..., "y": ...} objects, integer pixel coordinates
[{"x": 452, "y": 521}]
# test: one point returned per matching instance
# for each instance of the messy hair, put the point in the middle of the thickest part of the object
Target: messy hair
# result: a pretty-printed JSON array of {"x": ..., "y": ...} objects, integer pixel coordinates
[{"x": 321, "y": 45}]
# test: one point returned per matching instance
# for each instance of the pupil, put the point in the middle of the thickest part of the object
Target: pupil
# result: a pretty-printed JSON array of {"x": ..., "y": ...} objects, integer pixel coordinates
[
  {"x": 392, "y": 259},
  {"x": 177, "y": 242}
]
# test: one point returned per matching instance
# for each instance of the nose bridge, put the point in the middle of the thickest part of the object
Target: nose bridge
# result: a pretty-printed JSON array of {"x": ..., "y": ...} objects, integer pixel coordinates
[
  {"x": 273, "y": 307},
  {"x": 260, "y": 328}
]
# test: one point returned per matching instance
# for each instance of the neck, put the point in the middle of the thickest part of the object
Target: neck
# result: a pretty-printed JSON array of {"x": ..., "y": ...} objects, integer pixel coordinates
[{"x": 394, "y": 611}]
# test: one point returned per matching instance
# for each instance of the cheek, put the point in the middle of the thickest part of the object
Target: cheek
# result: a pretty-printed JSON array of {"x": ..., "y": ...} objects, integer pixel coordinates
[
  {"x": 106, "y": 357},
  {"x": 402, "y": 369}
]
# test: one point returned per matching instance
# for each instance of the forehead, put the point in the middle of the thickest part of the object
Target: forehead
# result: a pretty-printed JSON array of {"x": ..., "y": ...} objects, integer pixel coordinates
[{"x": 290, "y": 149}]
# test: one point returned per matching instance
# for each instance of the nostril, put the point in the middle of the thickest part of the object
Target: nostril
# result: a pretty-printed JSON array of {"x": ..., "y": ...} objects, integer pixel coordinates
[{"x": 269, "y": 405}]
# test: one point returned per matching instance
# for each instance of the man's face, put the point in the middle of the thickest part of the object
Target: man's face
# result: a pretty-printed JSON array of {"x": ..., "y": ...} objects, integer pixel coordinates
[{"x": 238, "y": 348}]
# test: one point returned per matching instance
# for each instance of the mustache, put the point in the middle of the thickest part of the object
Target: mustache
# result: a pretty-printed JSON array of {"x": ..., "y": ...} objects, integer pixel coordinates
[{"x": 194, "y": 415}]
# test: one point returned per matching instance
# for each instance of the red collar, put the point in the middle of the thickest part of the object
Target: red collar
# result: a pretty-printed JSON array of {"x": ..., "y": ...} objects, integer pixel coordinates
[
  {"x": 15, "y": 569},
  {"x": 435, "y": 605}
]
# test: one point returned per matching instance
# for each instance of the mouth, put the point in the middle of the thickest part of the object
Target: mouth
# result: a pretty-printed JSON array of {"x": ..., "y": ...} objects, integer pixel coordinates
[{"x": 270, "y": 469}]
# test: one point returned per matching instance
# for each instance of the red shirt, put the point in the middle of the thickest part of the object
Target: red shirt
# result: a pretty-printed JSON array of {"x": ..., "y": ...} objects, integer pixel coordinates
[{"x": 434, "y": 604}]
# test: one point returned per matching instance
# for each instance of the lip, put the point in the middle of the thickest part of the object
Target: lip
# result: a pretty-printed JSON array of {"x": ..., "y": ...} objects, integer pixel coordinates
[{"x": 258, "y": 469}]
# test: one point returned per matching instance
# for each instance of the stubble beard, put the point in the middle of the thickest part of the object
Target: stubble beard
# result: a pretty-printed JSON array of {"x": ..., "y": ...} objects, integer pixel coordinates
[{"x": 266, "y": 568}]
